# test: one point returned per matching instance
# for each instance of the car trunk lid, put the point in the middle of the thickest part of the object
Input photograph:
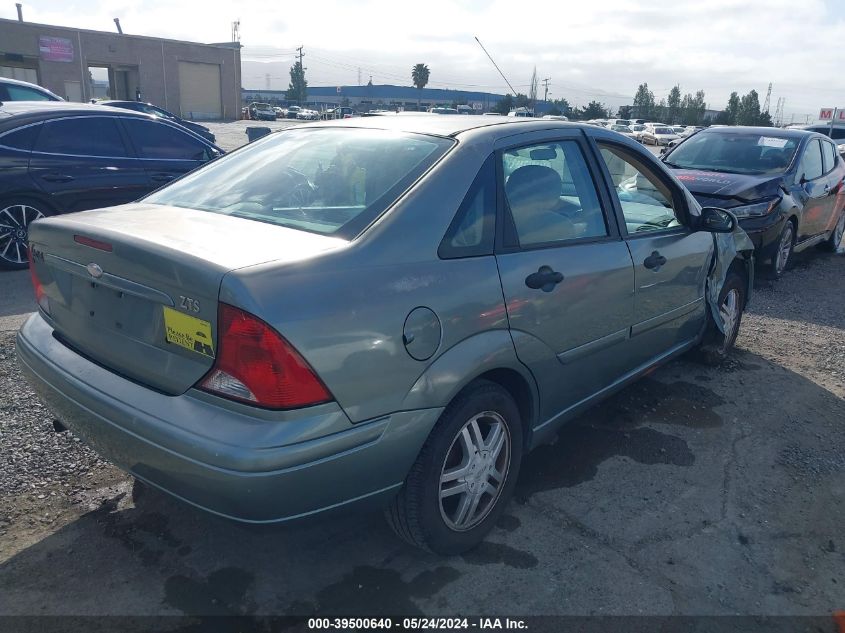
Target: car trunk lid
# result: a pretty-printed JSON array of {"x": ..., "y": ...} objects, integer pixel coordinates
[{"x": 135, "y": 288}]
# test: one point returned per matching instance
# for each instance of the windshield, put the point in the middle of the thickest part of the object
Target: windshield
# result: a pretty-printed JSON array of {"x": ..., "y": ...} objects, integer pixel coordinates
[
  {"x": 262, "y": 106},
  {"x": 638, "y": 128},
  {"x": 332, "y": 181},
  {"x": 621, "y": 128},
  {"x": 663, "y": 130},
  {"x": 735, "y": 153}
]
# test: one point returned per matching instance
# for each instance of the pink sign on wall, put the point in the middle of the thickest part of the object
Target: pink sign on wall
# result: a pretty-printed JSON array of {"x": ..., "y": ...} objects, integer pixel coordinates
[{"x": 55, "y": 49}]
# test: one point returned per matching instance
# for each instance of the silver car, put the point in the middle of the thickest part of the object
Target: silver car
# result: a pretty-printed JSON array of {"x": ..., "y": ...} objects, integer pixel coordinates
[{"x": 389, "y": 311}]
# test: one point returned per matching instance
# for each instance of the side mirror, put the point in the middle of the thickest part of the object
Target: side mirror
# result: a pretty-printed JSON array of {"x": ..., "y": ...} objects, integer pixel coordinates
[{"x": 715, "y": 220}]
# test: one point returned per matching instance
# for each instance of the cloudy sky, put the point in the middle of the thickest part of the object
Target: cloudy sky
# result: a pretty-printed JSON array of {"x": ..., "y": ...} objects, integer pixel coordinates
[{"x": 589, "y": 50}]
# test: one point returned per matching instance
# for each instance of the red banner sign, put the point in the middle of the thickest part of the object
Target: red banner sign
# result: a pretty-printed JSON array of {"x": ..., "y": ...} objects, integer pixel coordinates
[{"x": 55, "y": 49}]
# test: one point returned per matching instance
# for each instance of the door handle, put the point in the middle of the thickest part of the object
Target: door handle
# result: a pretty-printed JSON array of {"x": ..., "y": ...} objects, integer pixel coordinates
[
  {"x": 57, "y": 177},
  {"x": 544, "y": 279},
  {"x": 654, "y": 261},
  {"x": 162, "y": 177}
]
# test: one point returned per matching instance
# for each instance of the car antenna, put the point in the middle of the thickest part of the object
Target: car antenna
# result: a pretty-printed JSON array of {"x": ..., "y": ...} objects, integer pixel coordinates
[{"x": 496, "y": 65}]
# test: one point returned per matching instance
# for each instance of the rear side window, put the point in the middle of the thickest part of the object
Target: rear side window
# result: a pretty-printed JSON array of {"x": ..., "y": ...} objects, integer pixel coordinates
[
  {"x": 471, "y": 232},
  {"x": 838, "y": 133},
  {"x": 82, "y": 136},
  {"x": 811, "y": 164},
  {"x": 829, "y": 154},
  {"x": 157, "y": 140},
  {"x": 22, "y": 93},
  {"x": 23, "y": 138}
]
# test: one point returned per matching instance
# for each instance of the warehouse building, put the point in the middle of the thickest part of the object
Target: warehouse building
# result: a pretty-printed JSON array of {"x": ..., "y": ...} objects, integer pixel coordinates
[{"x": 195, "y": 81}]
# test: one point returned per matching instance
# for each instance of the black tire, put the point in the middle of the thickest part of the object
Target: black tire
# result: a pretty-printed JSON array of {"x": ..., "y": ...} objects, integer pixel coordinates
[
  {"x": 835, "y": 238},
  {"x": 417, "y": 514},
  {"x": 781, "y": 259},
  {"x": 716, "y": 344},
  {"x": 16, "y": 214}
]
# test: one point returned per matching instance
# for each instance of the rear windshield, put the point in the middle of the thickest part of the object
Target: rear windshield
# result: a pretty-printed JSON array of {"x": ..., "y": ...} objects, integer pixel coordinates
[
  {"x": 735, "y": 153},
  {"x": 663, "y": 130},
  {"x": 332, "y": 181}
]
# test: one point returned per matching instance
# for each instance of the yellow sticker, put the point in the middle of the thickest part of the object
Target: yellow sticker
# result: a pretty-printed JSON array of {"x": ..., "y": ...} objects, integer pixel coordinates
[{"x": 188, "y": 332}]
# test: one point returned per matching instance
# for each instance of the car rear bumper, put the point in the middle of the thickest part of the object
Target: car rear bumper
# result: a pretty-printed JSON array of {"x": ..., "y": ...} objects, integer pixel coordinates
[{"x": 263, "y": 468}]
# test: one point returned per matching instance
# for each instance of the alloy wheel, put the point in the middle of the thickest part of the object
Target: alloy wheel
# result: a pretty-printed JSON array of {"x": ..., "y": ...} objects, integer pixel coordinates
[
  {"x": 784, "y": 248},
  {"x": 839, "y": 231},
  {"x": 14, "y": 231},
  {"x": 474, "y": 471},
  {"x": 729, "y": 311}
]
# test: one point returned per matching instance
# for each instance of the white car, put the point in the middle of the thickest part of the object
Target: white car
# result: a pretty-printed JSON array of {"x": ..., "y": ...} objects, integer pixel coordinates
[
  {"x": 555, "y": 117},
  {"x": 308, "y": 115},
  {"x": 658, "y": 135},
  {"x": 624, "y": 130},
  {"x": 637, "y": 130}
]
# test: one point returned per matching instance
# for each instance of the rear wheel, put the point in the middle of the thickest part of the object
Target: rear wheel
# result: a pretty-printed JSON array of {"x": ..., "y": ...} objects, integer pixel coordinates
[
  {"x": 464, "y": 474},
  {"x": 835, "y": 239},
  {"x": 16, "y": 215}
]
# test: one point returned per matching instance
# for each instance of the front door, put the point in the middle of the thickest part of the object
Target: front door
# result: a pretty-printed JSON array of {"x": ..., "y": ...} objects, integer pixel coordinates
[
  {"x": 567, "y": 276},
  {"x": 166, "y": 151},
  {"x": 671, "y": 261}
]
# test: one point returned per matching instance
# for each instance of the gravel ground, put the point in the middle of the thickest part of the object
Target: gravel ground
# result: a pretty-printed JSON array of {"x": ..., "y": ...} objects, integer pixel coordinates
[{"x": 700, "y": 489}]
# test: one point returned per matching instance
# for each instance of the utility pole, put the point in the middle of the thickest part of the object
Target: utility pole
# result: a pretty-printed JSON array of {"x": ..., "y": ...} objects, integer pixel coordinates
[{"x": 546, "y": 91}]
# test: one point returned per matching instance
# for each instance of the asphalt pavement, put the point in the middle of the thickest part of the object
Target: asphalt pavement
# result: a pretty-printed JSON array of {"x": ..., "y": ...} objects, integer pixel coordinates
[{"x": 17, "y": 300}]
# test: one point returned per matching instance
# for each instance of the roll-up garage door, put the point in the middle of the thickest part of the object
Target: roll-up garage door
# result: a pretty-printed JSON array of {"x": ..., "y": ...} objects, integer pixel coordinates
[{"x": 199, "y": 89}]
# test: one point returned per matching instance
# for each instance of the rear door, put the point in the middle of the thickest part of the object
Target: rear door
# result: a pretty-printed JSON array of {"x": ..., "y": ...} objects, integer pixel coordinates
[
  {"x": 671, "y": 261},
  {"x": 166, "y": 151},
  {"x": 83, "y": 162},
  {"x": 833, "y": 172},
  {"x": 567, "y": 276}
]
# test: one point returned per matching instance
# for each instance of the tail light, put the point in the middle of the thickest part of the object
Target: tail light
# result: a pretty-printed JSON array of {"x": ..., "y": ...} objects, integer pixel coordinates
[
  {"x": 40, "y": 296},
  {"x": 257, "y": 366}
]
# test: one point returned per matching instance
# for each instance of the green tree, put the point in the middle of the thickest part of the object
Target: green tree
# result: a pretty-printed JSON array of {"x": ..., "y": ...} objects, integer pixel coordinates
[
  {"x": 728, "y": 116},
  {"x": 749, "y": 109},
  {"x": 595, "y": 110},
  {"x": 504, "y": 105},
  {"x": 673, "y": 104},
  {"x": 298, "y": 87},
  {"x": 644, "y": 102},
  {"x": 419, "y": 76},
  {"x": 560, "y": 106}
]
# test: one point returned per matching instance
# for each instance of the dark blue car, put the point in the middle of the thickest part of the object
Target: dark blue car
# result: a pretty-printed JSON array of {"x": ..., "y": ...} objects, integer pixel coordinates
[
  {"x": 58, "y": 157},
  {"x": 784, "y": 186}
]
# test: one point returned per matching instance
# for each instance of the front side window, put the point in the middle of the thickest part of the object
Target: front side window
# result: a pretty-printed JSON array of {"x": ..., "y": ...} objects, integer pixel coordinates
[
  {"x": 811, "y": 166},
  {"x": 645, "y": 200},
  {"x": 332, "y": 181},
  {"x": 82, "y": 136},
  {"x": 551, "y": 194},
  {"x": 829, "y": 155},
  {"x": 153, "y": 139}
]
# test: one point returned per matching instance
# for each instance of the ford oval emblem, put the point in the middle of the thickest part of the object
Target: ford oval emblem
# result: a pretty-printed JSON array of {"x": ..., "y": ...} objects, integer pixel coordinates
[{"x": 94, "y": 270}]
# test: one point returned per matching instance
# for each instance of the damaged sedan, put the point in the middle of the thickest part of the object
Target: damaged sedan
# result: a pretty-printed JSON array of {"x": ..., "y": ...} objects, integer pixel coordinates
[
  {"x": 784, "y": 186},
  {"x": 389, "y": 311}
]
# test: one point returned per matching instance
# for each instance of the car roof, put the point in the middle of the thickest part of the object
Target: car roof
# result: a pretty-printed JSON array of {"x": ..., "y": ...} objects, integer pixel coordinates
[
  {"x": 762, "y": 131},
  {"x": 53, "y": 108},
  {"x": 450, "y": 124}
]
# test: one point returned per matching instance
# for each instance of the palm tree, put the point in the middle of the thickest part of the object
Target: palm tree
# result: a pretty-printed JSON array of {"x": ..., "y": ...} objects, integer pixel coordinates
[{"x": 419, "y": 76}]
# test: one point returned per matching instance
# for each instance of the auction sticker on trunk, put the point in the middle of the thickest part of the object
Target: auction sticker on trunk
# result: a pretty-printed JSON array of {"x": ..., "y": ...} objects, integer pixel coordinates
[{"x": 188, "y": 332}]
